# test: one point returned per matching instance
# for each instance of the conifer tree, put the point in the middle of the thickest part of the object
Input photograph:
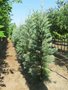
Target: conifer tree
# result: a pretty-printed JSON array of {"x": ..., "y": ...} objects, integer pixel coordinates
[{"x": 33, "y": 45}]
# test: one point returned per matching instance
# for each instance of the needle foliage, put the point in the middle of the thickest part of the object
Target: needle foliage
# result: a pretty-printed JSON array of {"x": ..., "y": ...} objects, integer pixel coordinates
[{"x": 33, "y": 45}]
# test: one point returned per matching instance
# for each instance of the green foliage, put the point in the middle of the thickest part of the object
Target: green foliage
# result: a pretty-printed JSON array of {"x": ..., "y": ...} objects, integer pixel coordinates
[
  {"x": 60, "y": 3},
  {"x": 17, "y": 1},
  {"x": 1, "y": 32},
  {"x": 5, "y": 12},
  {"x": 1, "y": 26},
  {"x": 33, "y": 45},
  {"x": 5, "y": 9},
  {"x": 12, "y": 26},
  {"x": 59, "y": 19}
]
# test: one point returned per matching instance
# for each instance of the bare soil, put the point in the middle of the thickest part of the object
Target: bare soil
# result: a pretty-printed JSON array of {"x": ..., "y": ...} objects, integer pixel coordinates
[{"x": 12, "y": 79}]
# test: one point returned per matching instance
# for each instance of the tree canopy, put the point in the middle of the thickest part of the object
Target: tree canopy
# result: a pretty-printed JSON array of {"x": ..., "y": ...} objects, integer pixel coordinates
[
  {"x": 5, "y": 13},
  {"x": 58, "y": 18}
]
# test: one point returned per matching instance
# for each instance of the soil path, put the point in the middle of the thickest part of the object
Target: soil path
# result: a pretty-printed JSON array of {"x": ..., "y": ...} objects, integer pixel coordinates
[
  {"x": 58, "y": 77},
  {"x": 13, "y": 79}
]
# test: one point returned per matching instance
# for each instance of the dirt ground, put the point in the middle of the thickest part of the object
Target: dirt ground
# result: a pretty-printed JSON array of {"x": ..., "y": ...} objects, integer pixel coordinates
[{"x": 12, "y": 79}]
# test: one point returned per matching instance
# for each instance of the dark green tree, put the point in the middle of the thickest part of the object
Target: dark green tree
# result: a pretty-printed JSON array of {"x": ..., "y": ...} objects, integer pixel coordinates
[
  {"x": 5, "y": 21},
  {"x": 5, "y": 13},
  {"x": 59, "y": 20}
]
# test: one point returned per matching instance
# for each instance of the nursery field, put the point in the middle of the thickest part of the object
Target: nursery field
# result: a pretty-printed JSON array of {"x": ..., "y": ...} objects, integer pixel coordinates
[
  {"x": 12, "y": 76},
  {"x": 34, "y": 50}
]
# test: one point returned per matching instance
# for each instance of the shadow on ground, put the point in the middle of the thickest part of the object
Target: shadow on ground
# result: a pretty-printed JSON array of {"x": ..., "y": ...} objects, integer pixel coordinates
[
  {"x": 61, "y": 59},
  {"x": 33, "y": 84},
  {"x": 3, "y": 64}
]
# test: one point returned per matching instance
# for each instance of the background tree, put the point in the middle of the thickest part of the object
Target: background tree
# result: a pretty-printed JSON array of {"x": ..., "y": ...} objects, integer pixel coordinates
[
  {"x": 5, "y": 13},
  {"x": 59, "y": 19},
  {"x": 5, "y": 22}
]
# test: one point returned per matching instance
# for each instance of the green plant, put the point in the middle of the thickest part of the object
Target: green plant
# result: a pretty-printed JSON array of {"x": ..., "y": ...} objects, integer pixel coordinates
[
  {"x": 58, "y": 18},
  {"x": 33, "y": 45},
  {"x": 1, "y": 32},
  {"x": 5, "y": 13}
]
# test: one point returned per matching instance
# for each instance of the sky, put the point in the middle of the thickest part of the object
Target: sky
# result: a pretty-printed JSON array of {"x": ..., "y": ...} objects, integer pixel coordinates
[{"x": 21, "y": 11}]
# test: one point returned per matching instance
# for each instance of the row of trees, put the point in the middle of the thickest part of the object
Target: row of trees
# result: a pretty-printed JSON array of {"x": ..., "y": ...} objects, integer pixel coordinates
[
  {"x": 5, "y": 10},
  {"x": 33, "y": 39},
  {"x": 5, "y": 24},
  {"x": 5, "y": 13},
  {"x": 58, "y": 18}
]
